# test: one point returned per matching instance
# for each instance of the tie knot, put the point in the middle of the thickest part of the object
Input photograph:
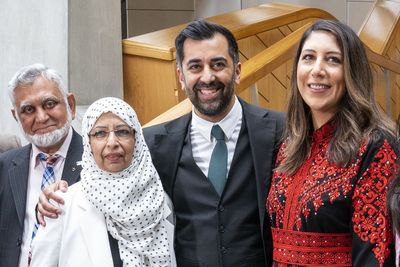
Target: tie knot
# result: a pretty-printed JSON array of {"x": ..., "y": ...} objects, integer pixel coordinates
[
  {"x": 49, "y": 159},
  {"x": 217, "y": 132}
]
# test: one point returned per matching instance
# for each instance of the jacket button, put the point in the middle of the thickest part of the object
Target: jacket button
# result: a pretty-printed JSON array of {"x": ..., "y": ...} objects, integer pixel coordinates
[
  {"x": 221, "y": 229},
  {"x": 19, "y": 242},
  {"x": 224, "y": 250},
  {"x": 221, "y": 208}
]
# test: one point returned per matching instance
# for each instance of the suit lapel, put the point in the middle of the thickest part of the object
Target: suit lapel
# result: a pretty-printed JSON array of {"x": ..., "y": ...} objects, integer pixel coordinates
[
  {"x": 19, "y": 172},
  {"x": 94, "y": 231},
  {"x": 18, "y": 178},
  {"x": 167, "y": 150},
  {"x": 262, "y": 138},
  {"x": 71, "y": 170}
]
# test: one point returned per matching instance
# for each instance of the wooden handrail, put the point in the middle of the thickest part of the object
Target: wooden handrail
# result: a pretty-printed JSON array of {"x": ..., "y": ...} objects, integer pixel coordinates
[
  {"x": 382, "y": 61},
  {"x": 242, "y": 23},
  {"x": 269, "y": 59}
]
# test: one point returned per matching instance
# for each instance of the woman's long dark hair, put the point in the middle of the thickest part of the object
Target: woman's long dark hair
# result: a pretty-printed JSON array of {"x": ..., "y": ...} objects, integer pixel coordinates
[{"x": 358, "y": 115}]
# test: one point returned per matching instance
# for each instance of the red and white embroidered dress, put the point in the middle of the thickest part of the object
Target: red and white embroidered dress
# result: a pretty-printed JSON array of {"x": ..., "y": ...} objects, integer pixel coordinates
[{"x": 326, "y": 215}]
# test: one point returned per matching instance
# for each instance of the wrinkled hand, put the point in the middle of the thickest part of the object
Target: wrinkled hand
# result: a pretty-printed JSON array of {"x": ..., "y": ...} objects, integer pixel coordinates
[{"x": 44, "y": 207}]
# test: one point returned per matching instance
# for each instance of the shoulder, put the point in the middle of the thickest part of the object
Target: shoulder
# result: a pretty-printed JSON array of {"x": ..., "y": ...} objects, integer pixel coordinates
[
  {"x": 15, "y": 153},
  {"x": 259, "y": 111},
  {"x": 260, "y": 116},
  {"x": 166, "y": 126},
  {"x": 9, "y": 141},
  {"x": 176, "y": 126},
  {"x": 152, "y": 130},
  {"x": 378, "y": 138},
  {"x": 379, "y": 149},
  {"x": 76, "y": 144},
  {"x": 76, "y": 138},
  {"x": 73, "y": 194}
]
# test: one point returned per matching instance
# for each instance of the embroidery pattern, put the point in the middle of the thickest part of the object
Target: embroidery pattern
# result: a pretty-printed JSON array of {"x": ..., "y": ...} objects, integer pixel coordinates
[
  {"x": 295, "y": 200},
  {"x": 299, "y": 248},
  {"x": 369, "y": 199}
]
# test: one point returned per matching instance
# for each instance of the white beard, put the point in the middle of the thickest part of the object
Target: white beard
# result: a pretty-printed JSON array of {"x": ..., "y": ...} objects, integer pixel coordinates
[{"x": 49, "y": 139}]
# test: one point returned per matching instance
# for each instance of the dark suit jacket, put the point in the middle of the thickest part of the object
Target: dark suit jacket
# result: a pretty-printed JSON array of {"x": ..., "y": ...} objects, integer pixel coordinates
[
  {"x": 264, "y": 127},
  {"x": 14, "y": 171}
]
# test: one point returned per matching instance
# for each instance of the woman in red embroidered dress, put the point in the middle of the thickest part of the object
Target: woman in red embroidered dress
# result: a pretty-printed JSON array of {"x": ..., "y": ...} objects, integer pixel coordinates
[{"x": 327, "y": 201}]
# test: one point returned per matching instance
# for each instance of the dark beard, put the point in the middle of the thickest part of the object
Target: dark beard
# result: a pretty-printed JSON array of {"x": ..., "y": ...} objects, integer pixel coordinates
[{"x": 220, "y": 104}]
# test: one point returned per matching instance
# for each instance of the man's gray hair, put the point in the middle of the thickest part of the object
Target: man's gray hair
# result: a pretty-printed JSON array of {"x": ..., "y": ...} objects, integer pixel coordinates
[{"x": 27, "y": 75}]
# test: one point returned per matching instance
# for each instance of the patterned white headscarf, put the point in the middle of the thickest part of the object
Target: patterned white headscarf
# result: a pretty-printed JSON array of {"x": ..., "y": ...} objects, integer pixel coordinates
[{"x": 132, "y": 200}]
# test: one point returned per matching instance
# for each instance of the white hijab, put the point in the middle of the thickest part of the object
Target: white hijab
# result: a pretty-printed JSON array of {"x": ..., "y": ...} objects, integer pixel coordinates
[{"x": 131, "y": 200}]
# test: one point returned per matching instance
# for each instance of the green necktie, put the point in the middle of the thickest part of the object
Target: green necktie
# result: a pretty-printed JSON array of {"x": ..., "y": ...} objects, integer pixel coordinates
[{"x": 219, "y": 159}]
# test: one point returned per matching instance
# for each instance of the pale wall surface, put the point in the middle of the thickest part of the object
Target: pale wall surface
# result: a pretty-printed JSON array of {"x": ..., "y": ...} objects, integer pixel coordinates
[
  {"x": 80, "y": 39},
  {"x": 146, "y": 16},
  {"x": 30, "y": 33},
  {"x": 94, "y": 49}
]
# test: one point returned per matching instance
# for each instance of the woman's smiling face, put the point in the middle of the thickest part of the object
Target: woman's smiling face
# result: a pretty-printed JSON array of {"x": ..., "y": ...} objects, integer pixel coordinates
[
  {"x": 320, "y": 76},
  {"x": 112, "y": 142}
]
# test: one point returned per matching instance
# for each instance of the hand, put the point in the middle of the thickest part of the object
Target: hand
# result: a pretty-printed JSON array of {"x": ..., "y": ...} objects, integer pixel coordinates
[{"x": 44, "y": 207}]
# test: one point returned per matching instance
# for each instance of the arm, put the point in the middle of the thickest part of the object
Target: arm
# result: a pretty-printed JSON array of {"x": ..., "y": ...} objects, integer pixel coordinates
[
  {"x": 373, "y": 243},
  {"x": 47, "y": 243},
  {"x": 44, "y": 207}
]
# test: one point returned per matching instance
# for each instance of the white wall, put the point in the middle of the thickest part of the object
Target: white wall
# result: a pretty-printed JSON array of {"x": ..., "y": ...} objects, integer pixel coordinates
[
  {"x": 94, "y": 49},
  {"x": 29, "y": 34},
  {"x": 351, "y": 12},
  {"x": 208, "y": 8},
  {"x": 80, "y": 39},
  {"x": 356, "y": 12}
]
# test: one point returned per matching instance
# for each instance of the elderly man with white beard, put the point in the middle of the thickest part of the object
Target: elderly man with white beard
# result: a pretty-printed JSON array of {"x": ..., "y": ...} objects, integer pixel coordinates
[{"x": 44, "y": 111}]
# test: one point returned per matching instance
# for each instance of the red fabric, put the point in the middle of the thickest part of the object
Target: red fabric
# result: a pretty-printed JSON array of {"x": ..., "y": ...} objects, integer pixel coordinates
[
  {"x": 311, "y": 249},
  {"x": 324, "y": 198}
]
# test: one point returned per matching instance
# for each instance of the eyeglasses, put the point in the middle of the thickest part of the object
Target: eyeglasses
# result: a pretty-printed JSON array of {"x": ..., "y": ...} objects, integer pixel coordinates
[{"x": 121, "y": 134}]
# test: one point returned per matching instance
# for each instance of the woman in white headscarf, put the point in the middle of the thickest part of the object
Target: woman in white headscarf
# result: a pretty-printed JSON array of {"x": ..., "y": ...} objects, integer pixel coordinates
[{"x": 119, "y": 205}]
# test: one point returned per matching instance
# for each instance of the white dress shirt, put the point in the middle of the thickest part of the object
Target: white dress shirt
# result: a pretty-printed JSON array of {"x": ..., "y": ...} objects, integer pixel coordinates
[
  {"x": 203, "y": 143},
  {"x": 36, "y": 170}
]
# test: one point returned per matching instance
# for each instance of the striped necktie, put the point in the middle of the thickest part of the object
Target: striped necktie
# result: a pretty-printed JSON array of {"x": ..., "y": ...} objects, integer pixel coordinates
[
  {"x": 47, "y": 179},
  {"x": 48, "y": 175}
]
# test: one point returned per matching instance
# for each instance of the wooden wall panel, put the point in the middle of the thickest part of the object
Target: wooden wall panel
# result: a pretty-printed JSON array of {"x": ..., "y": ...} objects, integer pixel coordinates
[
  {"x": 270, "y": 37},
  {"x": 389, "y": 100},
  {"x": 250, "y": 46},
  {"x": 273, "y": 89},
  {"x": 275, "y": 93},
  {"x": 380, "y": 32},
  {"x": 160, "y": 94}
]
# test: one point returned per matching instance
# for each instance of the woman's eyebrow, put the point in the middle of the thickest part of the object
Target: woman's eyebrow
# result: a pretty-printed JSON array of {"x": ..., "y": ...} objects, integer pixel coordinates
[{"x": 100, "y": 127}]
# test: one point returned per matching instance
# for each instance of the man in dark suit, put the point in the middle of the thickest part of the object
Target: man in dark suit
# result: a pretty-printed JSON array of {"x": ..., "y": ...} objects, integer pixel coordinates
[
  {"x": 219, "y": 221},
  {"x": 223, "y": 227},
  {"x": 44, "y": 111}
]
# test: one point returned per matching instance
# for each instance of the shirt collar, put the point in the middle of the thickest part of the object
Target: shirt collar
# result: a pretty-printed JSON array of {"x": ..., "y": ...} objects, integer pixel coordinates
[
  {"x": 62, "y": 151},
  {"x": 228, "y": 123}
]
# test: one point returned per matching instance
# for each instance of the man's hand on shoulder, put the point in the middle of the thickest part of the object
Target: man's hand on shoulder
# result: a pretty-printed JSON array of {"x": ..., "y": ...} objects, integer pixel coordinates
[{"x": 44, "y": 207}]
